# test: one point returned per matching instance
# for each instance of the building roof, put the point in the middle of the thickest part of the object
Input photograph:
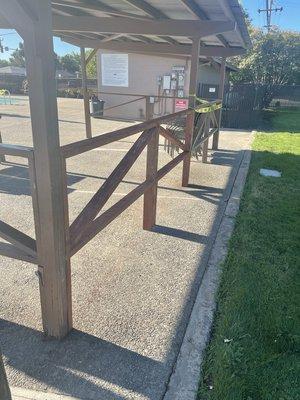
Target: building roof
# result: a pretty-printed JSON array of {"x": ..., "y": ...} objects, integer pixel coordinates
[
  {"x": 215, "y": 10},
  {"x": 63, "y": 74},
  {"x": 152, "y": 25},
  {"x": 12, "y": 70}
]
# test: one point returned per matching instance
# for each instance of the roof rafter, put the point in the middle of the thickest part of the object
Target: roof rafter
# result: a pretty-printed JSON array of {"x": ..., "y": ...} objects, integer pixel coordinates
[
  {"x": 96, "y": 6},
  {"x": 199, "y": 13},
  {"x": 158, "y": 48},
  {"x": 151, "y": 12},
  {"x": 152, "y": 27}
]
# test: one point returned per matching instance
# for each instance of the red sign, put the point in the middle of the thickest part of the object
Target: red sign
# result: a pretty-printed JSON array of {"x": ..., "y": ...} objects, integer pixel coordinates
[{"x": 181, "y": 104}]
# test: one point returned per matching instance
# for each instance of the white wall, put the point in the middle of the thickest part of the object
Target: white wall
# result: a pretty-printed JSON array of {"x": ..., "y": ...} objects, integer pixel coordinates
[{"x": 143, "y": 73}]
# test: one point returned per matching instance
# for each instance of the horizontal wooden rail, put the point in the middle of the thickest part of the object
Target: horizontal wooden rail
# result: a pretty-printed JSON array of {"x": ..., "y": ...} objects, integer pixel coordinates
[
  {"x": 17, "y": 151},
  {"x": 125, "y": 103},
  {"x": 18, "y": 239},
  {"x": 11, "y": 251},
  {"x": 113, "y": 212},
  {"x": 82, "y": 146},
  {"x": 138, "y": 95}
]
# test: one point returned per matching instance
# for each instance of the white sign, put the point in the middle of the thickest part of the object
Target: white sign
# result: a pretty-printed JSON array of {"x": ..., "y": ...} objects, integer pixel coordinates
[
  {"x": 114, "y": 69},
  {"x": 212, "y": 90}
]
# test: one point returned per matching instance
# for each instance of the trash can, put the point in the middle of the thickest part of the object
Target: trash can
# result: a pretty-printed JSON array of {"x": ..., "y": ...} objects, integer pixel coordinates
[{"x": 96, "y": 107}]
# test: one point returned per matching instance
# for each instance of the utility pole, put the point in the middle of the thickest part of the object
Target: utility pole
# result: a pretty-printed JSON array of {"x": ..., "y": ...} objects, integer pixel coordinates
[{"x": 269, "y": 10}]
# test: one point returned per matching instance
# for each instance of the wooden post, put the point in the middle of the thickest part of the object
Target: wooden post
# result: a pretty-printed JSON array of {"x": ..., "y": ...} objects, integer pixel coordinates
[
  {"x": 2, "y": 156},
  {"x": 86, "y": 99},
  {"x": 149, "y": 109},
  {"x": 150, "y": 196},
  {"x": 220, "y": 95},
  {"x": 189, "y": 129},
  {"x": 205, "y": 143},
  {"x": 4, "y": 387},
  {"x": 53, "y": 252}
]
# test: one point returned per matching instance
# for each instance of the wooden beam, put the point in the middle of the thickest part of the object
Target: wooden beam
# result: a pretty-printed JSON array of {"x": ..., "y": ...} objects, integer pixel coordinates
[
  {"x": 189, "y": 128},
  {"x": 86, "y": 98},
  {"x": 215, "y": 143},
  {"x": 4, "y": 387},
  {"x": 15, "y": 150},
  {"x": 147, "y": 8},
  {"x": 194, "y": 72},
  {"x": 150, "y": 195},
  {"x": 11, "y": 251},
  {"x": 129, "y": 26},
  {"x": 99, "y": 6},
  {"x": 4, "y": 24},
  {"x": 2, "y": 156},
  {"x": 100, "y": 198},
  {"x": 113, "y": 212},
  {"x": 18, "y": 14},
  {"x": 151, "y": 12},
  {"x": 167, "y": 134},
  {"x": 206, "y": 135},
  {"x": 18, "y": 238},
  {"x": 158, "y": 48},
  {"x": 90, "y": 56},
  {"x": 53, "y": 253},
  {"x": 82, "y": 146},
  {"x": 199, "y": 13}
]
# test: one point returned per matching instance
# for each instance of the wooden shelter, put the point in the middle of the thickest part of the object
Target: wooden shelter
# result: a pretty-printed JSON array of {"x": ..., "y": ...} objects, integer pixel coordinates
[{"x": 170, "y": 27}]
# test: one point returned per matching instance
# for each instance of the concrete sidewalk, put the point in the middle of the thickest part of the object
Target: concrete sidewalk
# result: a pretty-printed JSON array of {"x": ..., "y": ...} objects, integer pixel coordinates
[{"x": 133, "y": 290}]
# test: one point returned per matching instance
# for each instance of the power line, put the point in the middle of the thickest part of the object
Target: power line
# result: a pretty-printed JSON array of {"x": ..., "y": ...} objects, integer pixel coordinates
[{"x": 269, "y": 10}]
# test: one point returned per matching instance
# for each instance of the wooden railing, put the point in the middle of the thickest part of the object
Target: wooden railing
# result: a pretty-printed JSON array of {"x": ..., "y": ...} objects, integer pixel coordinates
[
  {"x": 21, "y": 246},
  {"x": 206, "y": 125},
  {"x": 198, "y": 126},
  {"x": 87, "y": 224},
  {"x": 92, "y": 219}
]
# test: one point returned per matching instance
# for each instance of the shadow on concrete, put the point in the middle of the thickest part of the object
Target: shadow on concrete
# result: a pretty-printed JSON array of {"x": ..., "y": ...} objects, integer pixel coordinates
[
  {"x": 180, "y": 234},
  {"x": 223, "y": 157},
  {"x": 14, "y": 179},
  {"x": 49, "y": 361},
  {"x": 73, "y": 365}
]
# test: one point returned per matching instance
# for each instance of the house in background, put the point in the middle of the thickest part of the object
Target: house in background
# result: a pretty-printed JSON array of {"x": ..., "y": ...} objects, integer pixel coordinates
[
  {"x": 12, "y": 78},
  {"x": 12, "y": 70},
  {"x": 124, "y": 77}
]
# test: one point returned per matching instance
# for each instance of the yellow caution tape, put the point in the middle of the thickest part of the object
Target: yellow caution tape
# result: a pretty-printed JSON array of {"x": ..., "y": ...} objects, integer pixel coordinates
[{"x": 211, "y": 108}]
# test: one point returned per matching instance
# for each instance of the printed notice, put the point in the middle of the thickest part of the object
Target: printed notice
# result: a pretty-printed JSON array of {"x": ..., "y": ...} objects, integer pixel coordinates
[{"x": 114, "y": 69}]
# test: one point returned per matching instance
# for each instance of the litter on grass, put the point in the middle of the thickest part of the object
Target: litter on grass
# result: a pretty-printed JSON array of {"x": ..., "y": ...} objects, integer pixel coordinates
[{"x": 270, "y": 172}]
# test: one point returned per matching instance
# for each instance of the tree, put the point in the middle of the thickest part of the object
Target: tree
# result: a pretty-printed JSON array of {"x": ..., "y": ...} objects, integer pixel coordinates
[
  {"x": 18, "y": 56},
  {"x": 273, "y": 60},
  {"x": 70, "y": 62},
  {"x": 4, "y": 63},
  {"x": 91, "y": 67}
]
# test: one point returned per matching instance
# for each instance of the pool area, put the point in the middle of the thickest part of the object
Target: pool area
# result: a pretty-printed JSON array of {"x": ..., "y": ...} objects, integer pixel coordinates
[{"x": 6, "y": 100}]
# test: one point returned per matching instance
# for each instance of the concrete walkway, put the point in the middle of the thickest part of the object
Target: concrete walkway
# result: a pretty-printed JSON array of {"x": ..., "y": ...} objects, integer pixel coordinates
[{"x": 133, "y": 291}]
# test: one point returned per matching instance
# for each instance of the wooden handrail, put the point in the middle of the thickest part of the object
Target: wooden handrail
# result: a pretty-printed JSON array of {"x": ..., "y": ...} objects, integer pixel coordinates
[
  {"x": 14, "y": 150},
  {"x": 18, "y": 239},
  {"x": 82, "y": 146}
]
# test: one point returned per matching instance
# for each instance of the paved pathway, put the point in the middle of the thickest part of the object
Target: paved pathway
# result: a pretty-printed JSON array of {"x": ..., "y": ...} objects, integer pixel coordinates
[{"x": 133, "y": 290}]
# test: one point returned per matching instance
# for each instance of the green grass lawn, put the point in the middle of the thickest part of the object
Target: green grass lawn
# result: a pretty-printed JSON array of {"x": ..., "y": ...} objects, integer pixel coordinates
[{"x": 254, "y": 351}]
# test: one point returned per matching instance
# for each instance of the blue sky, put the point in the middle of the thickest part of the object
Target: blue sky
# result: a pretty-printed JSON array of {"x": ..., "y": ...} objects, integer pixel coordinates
[{"x": 288, "y": 19}]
